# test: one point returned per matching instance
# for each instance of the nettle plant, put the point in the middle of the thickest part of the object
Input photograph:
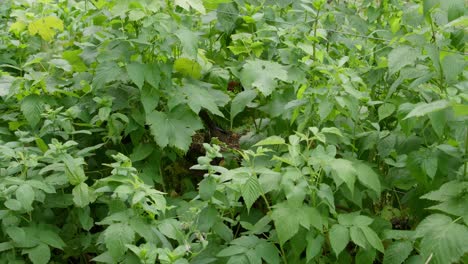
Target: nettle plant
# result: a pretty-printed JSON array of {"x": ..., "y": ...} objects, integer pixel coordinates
[{"x": 353, "y": 117}]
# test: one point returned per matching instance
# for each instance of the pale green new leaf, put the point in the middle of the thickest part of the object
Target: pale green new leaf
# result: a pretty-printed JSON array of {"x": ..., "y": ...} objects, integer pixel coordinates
[
  {"x": 401, "y": 57},
  {"x": 442, "y": 237},
  {"x": 188, "y": 68},
  {"x": 426, "y": 108},
  {"x": 397, "y": 252},
  {"x": 262, "y": 75},
  {"x": 251, "y": 190},
  {"x": 116, "y": 236},
  {"x": 339, "y": 238},
  {"x": 174, "y": 128}
]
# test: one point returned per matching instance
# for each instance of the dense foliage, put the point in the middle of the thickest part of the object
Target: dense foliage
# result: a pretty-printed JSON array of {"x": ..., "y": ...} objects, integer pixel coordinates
[{"x": 233, "y": 131}]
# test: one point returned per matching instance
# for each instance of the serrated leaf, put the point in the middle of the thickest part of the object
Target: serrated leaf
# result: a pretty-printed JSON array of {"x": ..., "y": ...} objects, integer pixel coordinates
[
  {"x": 344, "y": 171},
  {"x": 446, "y": 240},
  {"x": 241, "y": 100},
  {"x": 189, "y": 41},
  {"x": 286, "y": 226},
  {"x": 46, "y": 27},
  {"x": 201, "y": 95},
  {"x": 367, "y": 176},
  {"x": 452, "y": 66},
  {"x": 231, "y": 251},
  {"x": 397, "y": 252},
  {"x": 25, "y": 195},
  {"x": 386, "y": 110},
  {"x": 136, "y": 73},
  {"x": 207, "y": 188},
  {"x": 339, "y": 238},
  {"x": 74, "y": 59},
  {"x": 174, "y": 128},
  {"x": 251, "y": 190},
  {"x": 116, "y": 236},
  {"x": 73, "y": 169},
  {"x": 31, "y": 106},
  {"x": 426, "y": 108},
  {"x": 106, "y": 72},
  {"x": 262, "y": 75},
  {"x": 39, "y": 254},
  {"x": 401, "y": 57},
  {"x": 83, "y": 195},
  {"x": 273, "y": 140},
  {"x": 268, "y": 252},
  {"x": 195, "y": 4},
  {"x": 372, "y": 238}
]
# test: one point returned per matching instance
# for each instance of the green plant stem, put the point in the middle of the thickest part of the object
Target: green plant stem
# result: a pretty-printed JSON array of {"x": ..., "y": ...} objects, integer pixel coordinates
[{"x": 315, "y": 34}]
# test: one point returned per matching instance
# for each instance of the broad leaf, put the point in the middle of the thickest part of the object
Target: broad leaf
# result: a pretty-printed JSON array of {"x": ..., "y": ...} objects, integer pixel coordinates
[
  {"x": 426, "y": 108},
  {"x": 400, "y": 57},
  {"x": 286, "y": 226},
  {"x": 262, "y": 75},
  {"x": 39, "y": 254},
  {"x": 397, "y": 252},
  {"x": 174, "y": 128},
  {"x": 367, "y": 176},
  {"x": 344, "y": 171},
  {"x": 442, "y": 237},
  {"x": 31, "y": 106},
  {"x": 386, "y": 110},
  {"x": 25, "y": 195},
  {"x": 241, "y": 100},
  {"x": 339, "y": 238},
  {"x": 251, "y": 190},
  {"x": 83, "y": 195},
  {"x": 116, "y": 236},
  {"x": 46, "y": 27}
]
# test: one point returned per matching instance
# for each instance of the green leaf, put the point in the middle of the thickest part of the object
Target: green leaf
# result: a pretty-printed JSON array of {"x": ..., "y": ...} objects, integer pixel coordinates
[
  {"x": 25, "y": 195},
  {"x": 426, "y": 108},
  {"x": 4, "y": 246},
  {"x": 268, "y": 252},
  {"x": 401, "y": 57},
  {"x": 106, "y": 72},
  {"x": 344, "y": 171},
  {"x": 174, "y": 128},
  {"x": 442, "y": 237},
  {"x": 339, "y": 238},
  {"x": 367, "y": 176},
  {"x": 39, "y": 254},
  {"x": 372, "y": 238},
  {"x": 452, "y": 66},
  {"x": 188, "y": 68},
  {"x": 365, "y": 256},
  {"x": 231, "y": 251},
  {"x": 195, "y": 4},
  {"x": 6, "y": 82},
  {"x": 251, "y": 190},
  {"x": 358, "y": 237},
  {"x": 141, "y": 151},
  {"x": 83, "y": 195},
  {"x": 314, "y": 245},
  {"x": 273, "y": 140},
  {"x": 116, "y": 236},
  {"x": 31, "y": 106},
  {"x": 386, "y": 110},
  {"x": 207, "y": 188},
  {"x": 73, "y": 57},
  {"x": 20, "y": 237},
  {"x": 241, "y": 100},
  {"x": 189, "y": 41},
  {"x": 262, "y": 75},
  {"x": 46, "y": 27},
  {"x": 397, "y": 252},
  {"x": 73, "y": 169},
  {"x": 13, "y": 204},
  {"x": 201, "y": 95},
  {"x": 286, "y": 226},
  {"x": 136, "y": 73},
  {"x": 50, "y": 237}
]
